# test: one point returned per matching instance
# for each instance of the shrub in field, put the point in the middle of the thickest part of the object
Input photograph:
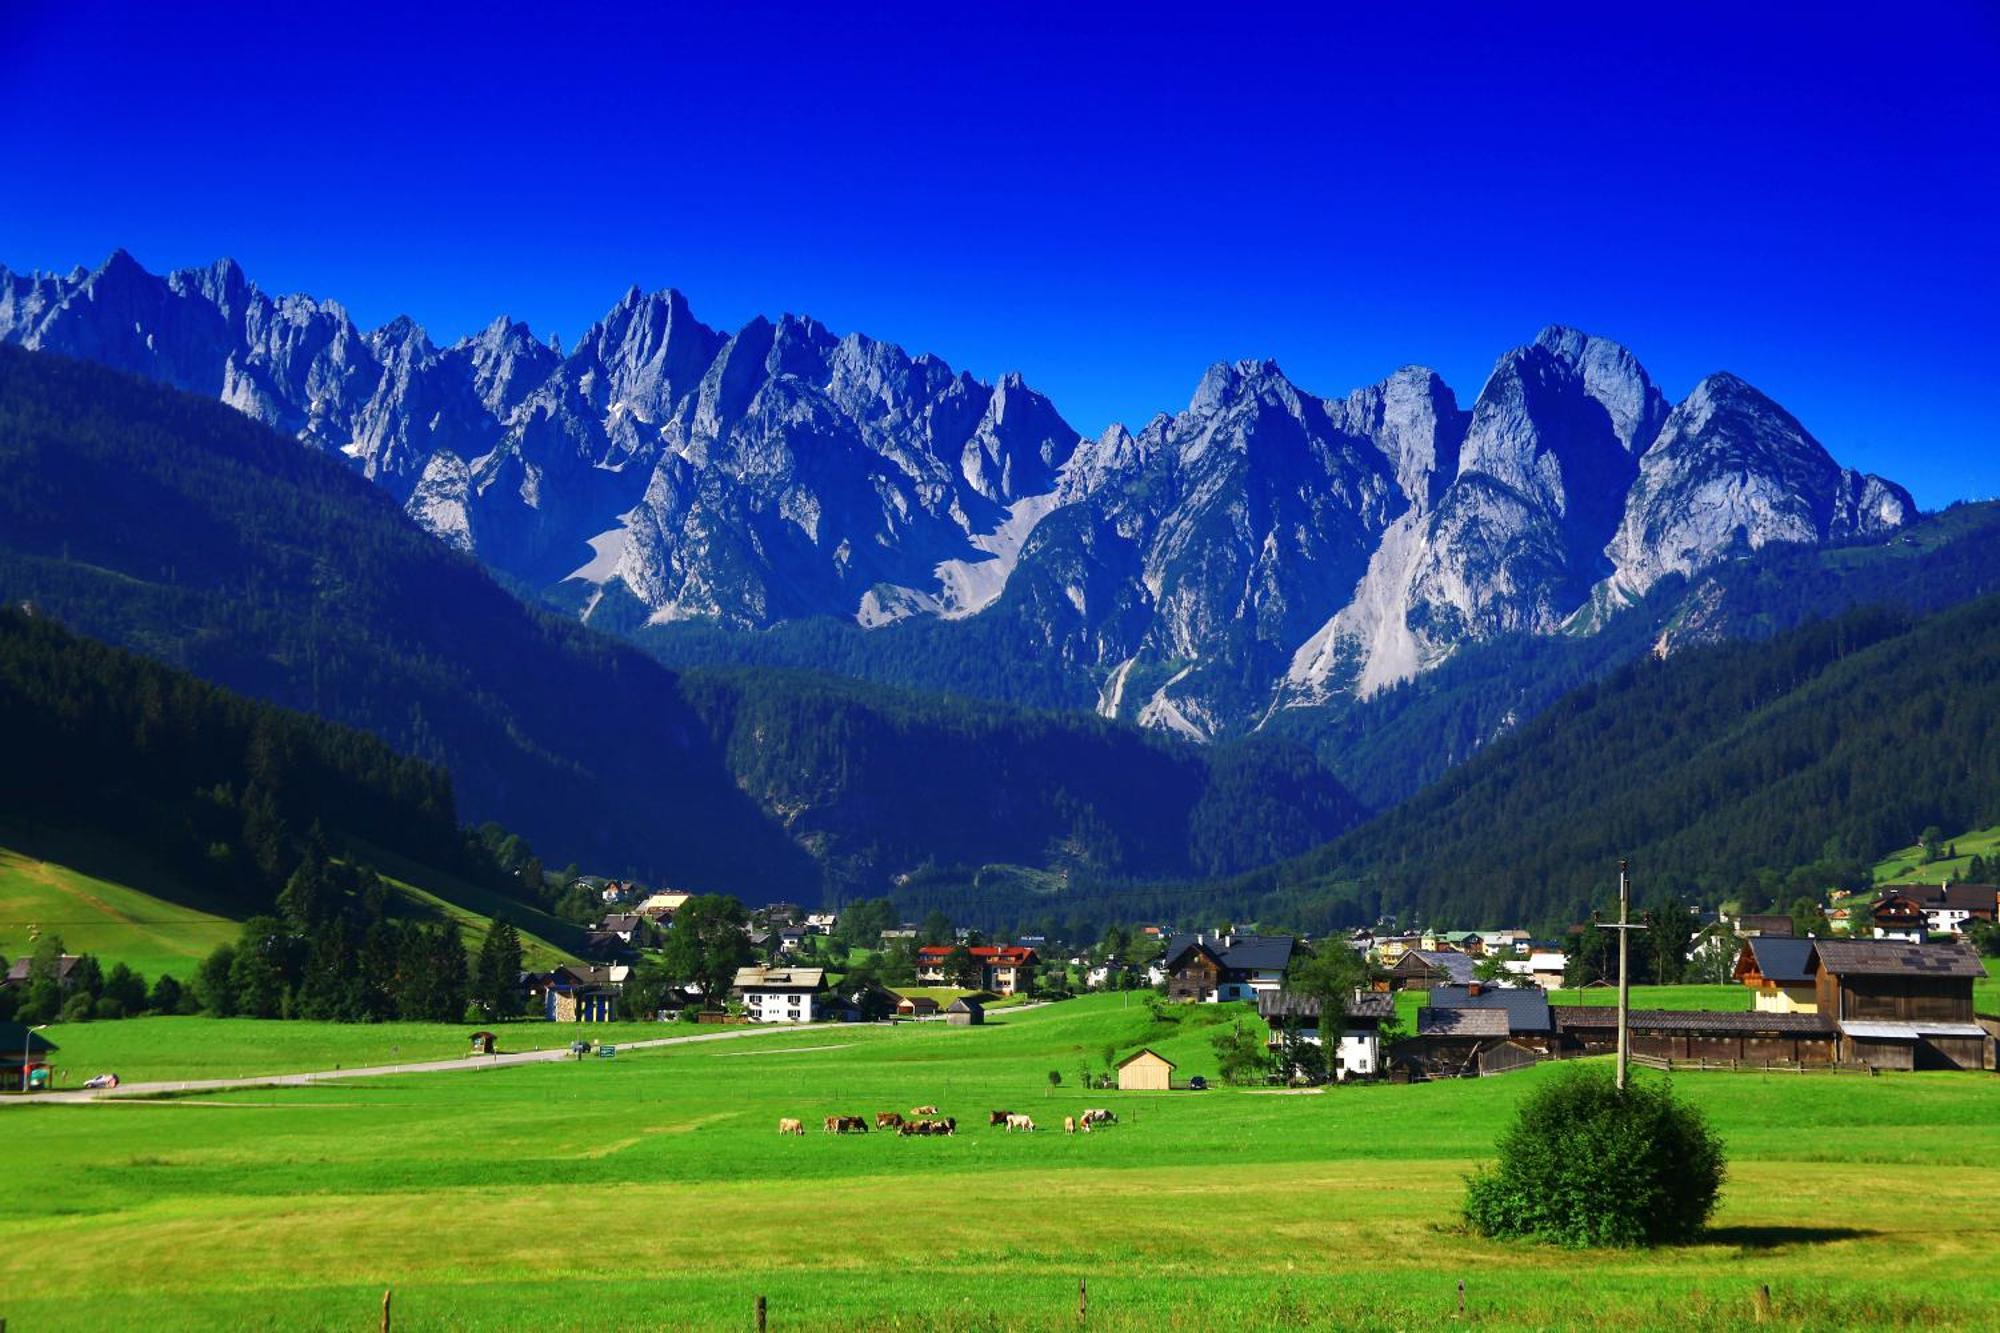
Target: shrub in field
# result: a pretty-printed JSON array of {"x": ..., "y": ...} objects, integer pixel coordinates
[{"x": 1585, "y": 1164}]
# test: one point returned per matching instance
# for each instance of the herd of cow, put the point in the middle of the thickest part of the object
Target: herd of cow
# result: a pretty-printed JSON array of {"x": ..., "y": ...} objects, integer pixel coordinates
[{"x": 924, "y": 1120}]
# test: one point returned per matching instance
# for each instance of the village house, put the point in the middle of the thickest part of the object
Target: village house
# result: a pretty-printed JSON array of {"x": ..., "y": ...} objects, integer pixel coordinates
[
  {"x": 659, "y": 906},
  {"x": 1942, "y": 909},
  {"x": 781, "y": 994},
  {"x": 1543, "y": 968},
  {"x": 1145, "y": 1071},
  {"x": 17, "y": 975},
  {"x": 1005, "y": 969},
  {"x": 1747, "y": 924},
  {"x": 1903, "y": 1006},
  {"x": 1421, "y": 969},
  {"x": 583, "y": 992},
  {"x": 915, "y": 1006},
  {"x": 1221, "y": 968},
  {"x": 1526, "y": 1007},
  {"x": 1899, "y": 915},
  {"x": 822, "y": 923},
  {"x": 22, "y": 1052},
  {"x": 1780, "y": 970},
  {"x": 1359, "y": 1051}
]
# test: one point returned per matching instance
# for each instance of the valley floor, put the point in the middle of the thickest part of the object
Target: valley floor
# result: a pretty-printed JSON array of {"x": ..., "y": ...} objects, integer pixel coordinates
[{"x": 651, "y": 1190}]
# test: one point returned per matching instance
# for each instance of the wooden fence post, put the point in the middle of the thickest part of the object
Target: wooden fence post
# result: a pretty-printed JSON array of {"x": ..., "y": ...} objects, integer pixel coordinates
[
  {"x": 1763, "y": 1302},
  {"x": 386, "y": 1293},
  {"x": 760, "y": 1314},
  {"x": 1082, "y": 1301},
  {"x": 1461, "y": 1298}
]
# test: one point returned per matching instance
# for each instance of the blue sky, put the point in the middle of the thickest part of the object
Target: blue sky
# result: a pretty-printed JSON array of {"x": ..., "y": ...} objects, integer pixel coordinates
[{"x": 1106, "y": 202}]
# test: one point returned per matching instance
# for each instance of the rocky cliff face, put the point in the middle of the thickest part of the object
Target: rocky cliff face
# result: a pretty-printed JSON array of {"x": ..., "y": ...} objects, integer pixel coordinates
[{"x": 1264, "y": 548}]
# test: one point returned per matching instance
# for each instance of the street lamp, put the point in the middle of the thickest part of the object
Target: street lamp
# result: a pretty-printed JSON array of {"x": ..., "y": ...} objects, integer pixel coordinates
[{"x": 27, "y": 1044}]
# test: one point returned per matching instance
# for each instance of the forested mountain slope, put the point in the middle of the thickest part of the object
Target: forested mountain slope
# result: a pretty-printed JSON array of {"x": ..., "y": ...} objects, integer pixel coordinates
[
  {"x": 176, "y": 526},
  {"x": 1843, "y": 737}
]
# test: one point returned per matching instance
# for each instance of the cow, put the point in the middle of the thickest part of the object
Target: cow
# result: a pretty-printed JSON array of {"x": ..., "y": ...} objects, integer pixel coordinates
[
  {"x": 1069, "y": 1124},
  {"x": 833, "y": 1124},
  {"x": 1015, "y": 1122},
  {"x": 1097, "y": 1115},
  {"x": 853, "y": 1124},
  {"x": 888, "y": 1119},
  {"x": 790, "y": 1126},
  {"x": 997, "y": 1117},
  {"x": 918, "y": 1112}
]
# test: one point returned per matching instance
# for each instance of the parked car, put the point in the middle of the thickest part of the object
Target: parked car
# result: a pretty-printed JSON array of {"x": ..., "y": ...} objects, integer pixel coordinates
[
  {"x": 1197, "y": 1084},
  {"x": 102, "y": 1081}
]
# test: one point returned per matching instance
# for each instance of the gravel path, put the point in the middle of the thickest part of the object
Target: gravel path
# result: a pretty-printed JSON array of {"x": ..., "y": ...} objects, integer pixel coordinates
[{"x": 375, "y": 1071}]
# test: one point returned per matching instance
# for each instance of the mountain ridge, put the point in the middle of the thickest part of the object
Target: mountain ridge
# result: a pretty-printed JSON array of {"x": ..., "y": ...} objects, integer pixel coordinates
[{"x": 1265, "y": 549}]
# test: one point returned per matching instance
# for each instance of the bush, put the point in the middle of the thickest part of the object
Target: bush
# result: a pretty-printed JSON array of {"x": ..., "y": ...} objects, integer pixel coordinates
[
  {"x": 78, "y": 1008},
  {"x": 1584, "y": 1164},
  {"x": 110, "y": 1007}
]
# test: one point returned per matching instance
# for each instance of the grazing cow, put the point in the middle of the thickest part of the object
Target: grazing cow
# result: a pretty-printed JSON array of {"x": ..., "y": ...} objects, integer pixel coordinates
[
  {"x": 854, "y": 1124},
  {"x": 790, "y": 1126},
  {"x": 1015, "y": 1122},
  {"x": 997, "y": 1117},
  {"x": 1097, "y": 1115},
  {"x": 833, "y": 1124},
  {"x": 888, "y": 1119},
  {"x": 1069, "y": 1124},
  {"x": 921, "y": 1111}
]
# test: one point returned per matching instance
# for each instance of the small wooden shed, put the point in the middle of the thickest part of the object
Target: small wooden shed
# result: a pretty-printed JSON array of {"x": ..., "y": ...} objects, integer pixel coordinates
[
  {"x": 1145, "y": 1071},
  {"x": 482, "y": 1043},
  {"x": 965, "y": 1012},
  {"x": 916, "y": 1006}
]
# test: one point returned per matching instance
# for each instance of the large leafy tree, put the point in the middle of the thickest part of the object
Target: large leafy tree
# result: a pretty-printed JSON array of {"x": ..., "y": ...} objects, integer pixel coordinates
[{"x": 707, "y": 944}]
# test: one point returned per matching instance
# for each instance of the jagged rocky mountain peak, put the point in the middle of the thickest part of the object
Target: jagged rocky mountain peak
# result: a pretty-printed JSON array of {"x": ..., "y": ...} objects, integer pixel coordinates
[{"x": 1265, "y": 547}]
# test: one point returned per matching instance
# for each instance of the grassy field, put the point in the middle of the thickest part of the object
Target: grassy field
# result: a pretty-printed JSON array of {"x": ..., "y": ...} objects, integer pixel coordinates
[
  {"x": 126, "y": 911},
  {"x": 1729, "y": 998},
  {"x": 1905, "y": 865},
  {"x": 651, "y": 1191},
  {"x": 100, "y": 916},
  {"x": 144, "y": 1050}
]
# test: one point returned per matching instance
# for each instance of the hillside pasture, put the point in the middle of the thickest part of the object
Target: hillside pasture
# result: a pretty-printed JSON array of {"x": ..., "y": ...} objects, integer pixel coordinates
[
  {"x": 1906, "y": 865},
  {"x": 104, "y": 916},
  {"x": 295, "y": 1207}
]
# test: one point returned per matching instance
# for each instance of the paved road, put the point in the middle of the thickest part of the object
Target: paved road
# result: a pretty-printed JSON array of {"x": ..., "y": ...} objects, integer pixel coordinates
[{"x": 375, "y": 1071}]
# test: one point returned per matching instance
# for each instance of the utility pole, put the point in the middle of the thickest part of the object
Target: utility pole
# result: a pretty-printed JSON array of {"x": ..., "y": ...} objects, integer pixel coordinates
[{"x": 1624, "y": 927}]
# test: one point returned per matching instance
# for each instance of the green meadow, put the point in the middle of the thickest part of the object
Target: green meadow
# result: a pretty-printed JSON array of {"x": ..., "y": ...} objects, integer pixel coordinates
[
  {"x": 653, "y": 1191},
  {"x": 1907, "y": 866}
]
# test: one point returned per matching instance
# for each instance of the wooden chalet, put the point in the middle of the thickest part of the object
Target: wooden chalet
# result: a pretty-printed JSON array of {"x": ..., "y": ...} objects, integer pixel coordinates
[
  {"x": 1763, "y": 923},
  {"x": 1213, "y": 968},
  {"x": 1900, "y": 1005},
  {"x": 1421, "y": 969},
  {"x": 1944, "y": 909},
  {"x": 1780, "y": 970},
  {"x": 1899, "y": 915}
]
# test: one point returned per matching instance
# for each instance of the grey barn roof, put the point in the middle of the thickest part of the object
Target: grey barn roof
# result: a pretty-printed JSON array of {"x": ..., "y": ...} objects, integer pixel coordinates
[
  {"x": 1461, "y": 1022},
  {"x": 1697, "y": 1021},
  {"x": 1459, "y": 967},
  {"x": 1894, "y": 958},
  {"x": 1527, "y": 1008},
  {"x": 1364, "y": 1005}
]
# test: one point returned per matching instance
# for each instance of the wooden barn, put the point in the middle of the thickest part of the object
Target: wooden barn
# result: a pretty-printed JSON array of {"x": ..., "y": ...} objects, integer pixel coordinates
[
  {"x": 965, "y": 1012},
  {"x": 1757, "y": 1038},
  {"x": 1900, "y": 1005},
  {"x": 1145, "y": 1071}
]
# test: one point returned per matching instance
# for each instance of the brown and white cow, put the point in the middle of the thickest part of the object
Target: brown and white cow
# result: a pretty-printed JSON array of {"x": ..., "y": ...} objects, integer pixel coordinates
[
  {"x": 790, "y": 1126},
  {"x": 1015, "y": 1122}
]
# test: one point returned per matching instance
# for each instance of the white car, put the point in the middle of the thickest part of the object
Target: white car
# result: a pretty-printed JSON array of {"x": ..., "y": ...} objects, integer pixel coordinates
[{"x": 102, "y": 1081}]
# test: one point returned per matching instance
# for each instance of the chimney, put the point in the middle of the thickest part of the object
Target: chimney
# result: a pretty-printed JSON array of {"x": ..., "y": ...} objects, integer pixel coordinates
[{"x": 1474, "y": 988}]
